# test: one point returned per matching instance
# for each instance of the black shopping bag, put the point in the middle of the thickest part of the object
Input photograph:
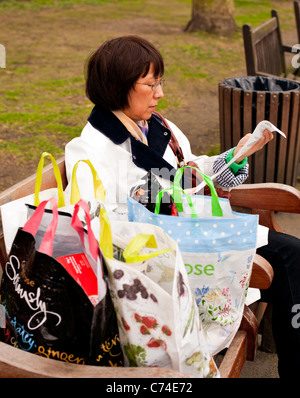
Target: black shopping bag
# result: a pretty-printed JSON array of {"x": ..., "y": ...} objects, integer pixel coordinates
[{"x": 49, "y": 312}]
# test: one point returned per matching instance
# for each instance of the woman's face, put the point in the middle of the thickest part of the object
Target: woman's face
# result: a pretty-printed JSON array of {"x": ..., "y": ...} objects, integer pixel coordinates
[{"x": 142, "y": 99}]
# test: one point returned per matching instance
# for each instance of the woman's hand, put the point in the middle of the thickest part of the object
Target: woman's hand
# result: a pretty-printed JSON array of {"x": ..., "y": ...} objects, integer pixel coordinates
[{"x": 267, "y": 137}]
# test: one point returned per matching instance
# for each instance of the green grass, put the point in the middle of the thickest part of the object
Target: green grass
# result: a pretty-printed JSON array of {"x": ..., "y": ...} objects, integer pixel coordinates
[
  {"x": 256, "y": 12},
  {"x": 38, "y": 4},
  {"x": 42, "y": 99}
]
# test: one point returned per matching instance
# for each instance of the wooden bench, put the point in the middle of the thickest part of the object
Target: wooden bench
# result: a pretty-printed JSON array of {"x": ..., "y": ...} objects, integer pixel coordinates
[
  {"x": 17, "y": 363},
  {"x": 264, "y": 50},
  {"x": 297, "y": 19}
]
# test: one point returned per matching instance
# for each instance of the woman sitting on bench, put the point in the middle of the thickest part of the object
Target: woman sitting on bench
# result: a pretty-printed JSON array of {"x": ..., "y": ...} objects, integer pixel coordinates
[{"x": 128, "y": 145}]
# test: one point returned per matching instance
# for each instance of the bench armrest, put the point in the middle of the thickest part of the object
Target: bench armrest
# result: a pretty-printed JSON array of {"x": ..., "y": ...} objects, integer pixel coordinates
[{"x": 267, "y": 196}]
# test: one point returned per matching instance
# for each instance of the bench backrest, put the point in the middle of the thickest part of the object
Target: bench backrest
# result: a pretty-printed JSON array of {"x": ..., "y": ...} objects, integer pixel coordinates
[
  {"x": 297, "y": 18},
  {"x": 263, "y": 48}
]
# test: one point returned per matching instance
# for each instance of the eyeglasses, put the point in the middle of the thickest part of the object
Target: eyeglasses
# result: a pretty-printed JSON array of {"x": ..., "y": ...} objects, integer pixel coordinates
[{"x": 154, "y": 86}]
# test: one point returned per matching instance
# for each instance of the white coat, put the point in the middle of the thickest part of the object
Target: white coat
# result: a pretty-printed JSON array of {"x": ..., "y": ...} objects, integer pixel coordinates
[{"x": 121, "y": 161}]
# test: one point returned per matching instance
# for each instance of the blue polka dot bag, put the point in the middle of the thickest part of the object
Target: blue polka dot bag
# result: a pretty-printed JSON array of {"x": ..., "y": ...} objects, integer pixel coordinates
[{"x": 218, "y": 247}]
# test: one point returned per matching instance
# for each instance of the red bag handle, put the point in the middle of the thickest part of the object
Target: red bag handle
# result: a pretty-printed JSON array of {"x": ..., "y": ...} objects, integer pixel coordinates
[
  {"x": 46, "y": 245},
  {"x": 33, "y": 224},
  {"x": 77, "y": 225}
]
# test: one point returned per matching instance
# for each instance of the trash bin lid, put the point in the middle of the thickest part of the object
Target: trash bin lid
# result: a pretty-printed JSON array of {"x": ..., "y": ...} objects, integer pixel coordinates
[{"x": 262, "y": 83}]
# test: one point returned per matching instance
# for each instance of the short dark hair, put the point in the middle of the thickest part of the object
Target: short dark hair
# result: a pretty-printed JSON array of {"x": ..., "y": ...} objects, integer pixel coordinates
[{"x": 115, "y": 66}]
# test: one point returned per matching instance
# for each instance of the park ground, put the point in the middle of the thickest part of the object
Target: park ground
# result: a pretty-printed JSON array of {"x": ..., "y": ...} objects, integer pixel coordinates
[{"x": 42, "y": 99}]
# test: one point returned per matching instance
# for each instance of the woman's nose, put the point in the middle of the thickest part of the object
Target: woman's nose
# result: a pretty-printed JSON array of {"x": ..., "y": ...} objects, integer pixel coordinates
[{"x": 158, "y": 93}]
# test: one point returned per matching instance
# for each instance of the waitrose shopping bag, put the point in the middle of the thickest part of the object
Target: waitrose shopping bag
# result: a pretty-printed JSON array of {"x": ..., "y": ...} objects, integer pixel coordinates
[
  {"x": 218, "y": 248},
  {"x": 53, "y": 290},
  {"x": 157, "y": 315}
]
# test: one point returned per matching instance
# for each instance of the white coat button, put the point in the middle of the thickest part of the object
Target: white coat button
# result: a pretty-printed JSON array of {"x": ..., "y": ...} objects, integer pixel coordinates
[
  {"x": 165, "y": 133},
  {"x": 134, "y": 157}
]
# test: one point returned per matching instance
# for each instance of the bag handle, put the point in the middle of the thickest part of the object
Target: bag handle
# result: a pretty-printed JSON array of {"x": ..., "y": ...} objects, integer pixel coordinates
[
  {"x": 215, "y": 203},
  {"x": 77, "y": 225},
  {"x": 130, "y": 254},
  {"x": 46, "y": 246},
  {"x": 160, "y": 194},
  {"x": 105, "y": 243},
  {"x": 98, "y": 186},
  {"x": 32, "y": 226},
  {"x": 38, "y": 182}
]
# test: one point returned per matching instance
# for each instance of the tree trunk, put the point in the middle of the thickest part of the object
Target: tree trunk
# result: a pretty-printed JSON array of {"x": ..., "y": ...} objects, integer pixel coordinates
[{"x": 212, "y": 16}]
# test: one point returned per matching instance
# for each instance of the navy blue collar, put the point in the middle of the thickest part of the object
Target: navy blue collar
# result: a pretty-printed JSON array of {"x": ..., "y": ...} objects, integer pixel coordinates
[{"x": 147, "y": 157}]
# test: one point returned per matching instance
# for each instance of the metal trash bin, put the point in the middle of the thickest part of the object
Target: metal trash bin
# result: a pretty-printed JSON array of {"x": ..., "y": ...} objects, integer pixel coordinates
[{"x": 243, "y": 103}]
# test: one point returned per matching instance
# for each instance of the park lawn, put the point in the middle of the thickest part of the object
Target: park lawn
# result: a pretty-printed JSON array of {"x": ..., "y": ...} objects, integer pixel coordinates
[{"x": 43, "y": 103}]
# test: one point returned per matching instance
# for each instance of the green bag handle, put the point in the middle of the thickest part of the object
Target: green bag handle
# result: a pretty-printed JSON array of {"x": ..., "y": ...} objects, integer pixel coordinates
[
  {"x": 215, "y": 203},
  {"x": 131, "y": 253},
  {"x": 38, "y": 181},
  {"x": 98, "y": 186},
  {"x": 180, "y": 191}
]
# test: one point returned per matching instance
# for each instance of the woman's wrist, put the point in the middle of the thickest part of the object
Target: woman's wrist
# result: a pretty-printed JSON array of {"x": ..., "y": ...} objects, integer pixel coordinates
[{"x": 235, "y": 167}]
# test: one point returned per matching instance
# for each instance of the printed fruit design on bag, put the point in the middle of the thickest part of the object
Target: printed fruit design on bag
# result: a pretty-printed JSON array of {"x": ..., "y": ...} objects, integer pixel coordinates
[
  {"x": 137, "y": 354},
  {"x": 197, "y": 360},
  {"x": 148, "y": 323},
  {"x": 131, "y": 291},
  {"x": 153, "y": 335}
]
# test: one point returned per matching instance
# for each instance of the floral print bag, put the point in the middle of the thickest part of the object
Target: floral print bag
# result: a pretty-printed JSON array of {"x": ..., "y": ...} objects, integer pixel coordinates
[{"x": 155, "y": 307}]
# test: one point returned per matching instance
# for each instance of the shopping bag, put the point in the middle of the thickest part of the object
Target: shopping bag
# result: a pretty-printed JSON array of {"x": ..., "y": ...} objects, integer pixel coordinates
[
  {"x": 95, "y": 203},
  {"x": 54, "y": 293},
  {"x": 14, "y": 213},
  {"x": 157, "y": 314},
  {"x": 218, "y": 253}
]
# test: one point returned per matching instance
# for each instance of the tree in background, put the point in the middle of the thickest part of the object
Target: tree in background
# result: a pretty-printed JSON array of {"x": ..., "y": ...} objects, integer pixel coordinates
[{"x": 212, "y": 16}]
